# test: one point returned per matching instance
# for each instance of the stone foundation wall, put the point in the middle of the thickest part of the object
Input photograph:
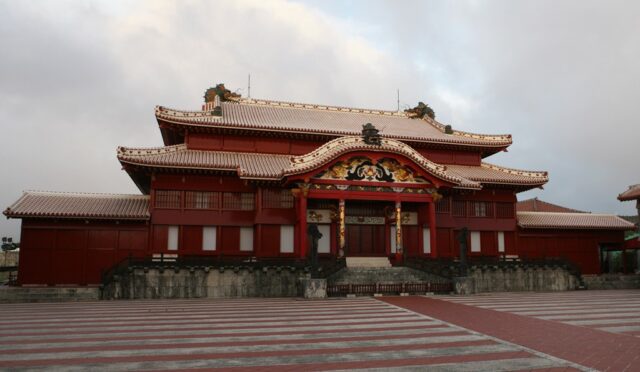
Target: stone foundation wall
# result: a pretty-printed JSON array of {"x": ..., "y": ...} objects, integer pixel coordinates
[
  {"x": 204, "y": 283},
  {"x": 612, "y": 281},
  {"x": 520, "y": 279},
  {"x": 48, "y": 294}
]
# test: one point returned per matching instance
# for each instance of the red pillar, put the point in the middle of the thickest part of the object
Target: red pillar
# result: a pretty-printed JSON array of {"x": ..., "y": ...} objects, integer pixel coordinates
[
  {"x": 257, "y": 240},
  {"x": 432, "y": 229},
  {"x": 302, "y": 232},
  {"x": 400, "y": 252}
]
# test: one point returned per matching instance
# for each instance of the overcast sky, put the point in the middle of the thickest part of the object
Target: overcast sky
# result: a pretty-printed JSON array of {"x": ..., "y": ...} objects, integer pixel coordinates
[{"x": 79, "y": 78}]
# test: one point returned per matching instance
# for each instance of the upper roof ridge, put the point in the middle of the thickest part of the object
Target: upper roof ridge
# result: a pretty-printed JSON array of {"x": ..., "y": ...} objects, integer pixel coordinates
[
  {"x": 313, "y": 106},
  {"x": 85, "y": 194},
  {"x": 569, "y": 213}
]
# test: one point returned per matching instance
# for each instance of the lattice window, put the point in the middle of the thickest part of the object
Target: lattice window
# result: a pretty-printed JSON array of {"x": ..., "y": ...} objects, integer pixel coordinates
[
  {"x": 480, "y": 209},
  {"x": 244, "y": 201},
  {"x": 443, "y": 206},
  {"x": 459, "y": 208},
  {"x": 202, "y": 200},
  {"x": 504, "y": 210},
  {"x": 277, "y": 198},
  {"x": 168, "y": 199}
]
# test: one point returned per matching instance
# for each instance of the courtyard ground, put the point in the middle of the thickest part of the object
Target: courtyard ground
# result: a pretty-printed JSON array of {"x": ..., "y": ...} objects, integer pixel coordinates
[{"x": 443, "y": 333}]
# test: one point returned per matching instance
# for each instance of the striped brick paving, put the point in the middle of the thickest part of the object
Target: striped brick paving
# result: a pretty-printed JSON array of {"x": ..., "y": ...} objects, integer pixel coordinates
[
  {"x": 248, "y": 334},
  {"x": 616, "y": 311}
]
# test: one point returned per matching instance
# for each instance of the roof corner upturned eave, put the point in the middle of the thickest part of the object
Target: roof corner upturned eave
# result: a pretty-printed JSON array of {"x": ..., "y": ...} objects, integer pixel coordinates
[{"x": 632, "y": 193}]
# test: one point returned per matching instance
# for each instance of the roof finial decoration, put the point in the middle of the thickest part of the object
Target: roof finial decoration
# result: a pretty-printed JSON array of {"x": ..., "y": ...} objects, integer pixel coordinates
[
  {"x": 421, "y": 111},
  {"x": 222, "y": 92},
  {"x": 371, "y": 135}
]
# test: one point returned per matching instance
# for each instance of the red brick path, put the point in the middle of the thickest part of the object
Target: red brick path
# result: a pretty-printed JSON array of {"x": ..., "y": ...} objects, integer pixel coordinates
[{"x": 588, "y": 347}]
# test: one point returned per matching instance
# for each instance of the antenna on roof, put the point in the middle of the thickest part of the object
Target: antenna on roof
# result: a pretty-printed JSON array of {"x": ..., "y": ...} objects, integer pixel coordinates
[
  {"x": 398, "y": 100},
  {"x": 249, "y": 88}
]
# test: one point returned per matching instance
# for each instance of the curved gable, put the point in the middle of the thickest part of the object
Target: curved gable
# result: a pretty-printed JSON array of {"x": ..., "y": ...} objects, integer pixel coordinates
[{"x": 333, "y": 157}]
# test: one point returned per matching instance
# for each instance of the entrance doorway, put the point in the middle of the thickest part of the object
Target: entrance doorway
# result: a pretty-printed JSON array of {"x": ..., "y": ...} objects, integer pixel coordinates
[
  {"x": 365, "y": 240},
  {"x": 365, "y": 227}
]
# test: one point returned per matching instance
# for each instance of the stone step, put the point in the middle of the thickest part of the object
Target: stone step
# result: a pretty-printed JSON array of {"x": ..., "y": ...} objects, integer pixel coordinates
[{"x": 368, "y": 262}]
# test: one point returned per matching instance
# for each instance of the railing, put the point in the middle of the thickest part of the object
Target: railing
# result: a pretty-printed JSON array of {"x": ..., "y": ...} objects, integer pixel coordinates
[{"x": 389, "y": 288}]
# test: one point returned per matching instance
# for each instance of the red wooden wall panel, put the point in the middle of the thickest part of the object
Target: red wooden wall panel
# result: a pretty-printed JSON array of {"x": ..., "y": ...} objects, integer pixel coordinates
[
  {"x": 98, "y": 261},
  {"x": 410, "y": 240},
  {"x": 191, "y": 240},
  {"x": 270, "y": 241},
  {"x": 578, "y": 246},
  {"x": 36, "y": 250},
  {"x": 489, "y": 243},
  {"x": 443, "y": 242},
  {"x": 229, "y": 239},
  {"x": 510, "y": 243},
  {"x": 160, "y": 238},
  {"x": 73, "y": 252}
]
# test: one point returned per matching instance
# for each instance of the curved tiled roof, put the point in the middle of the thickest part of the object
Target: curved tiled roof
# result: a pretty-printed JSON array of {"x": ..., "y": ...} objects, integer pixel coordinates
[
  {"x": 537, "y": 205},
  {"x": 248, "y": 165},
  {"x": 276, "y": 166},
  {"x": 494, "y": 174},
  {"x": 564, "y": 220},
  {"x": 45, "y": 204},
  {"x": 326, "y": 120},
  {"x": 632, "y": 193}
]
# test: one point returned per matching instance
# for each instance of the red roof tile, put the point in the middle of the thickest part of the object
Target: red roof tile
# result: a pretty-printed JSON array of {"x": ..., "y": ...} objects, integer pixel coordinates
[
  {"x": 275, "y": 167},
  {"x": 564, "y": 220},
  {"x": 326, "y": 120},
  {"x": 536, "y": 205},
  {"x": 494, "y": 174},
  {"x": 248, "y": 165},
  {"x": 632, "y": 193},
  {"x": 40, "y": 204}
]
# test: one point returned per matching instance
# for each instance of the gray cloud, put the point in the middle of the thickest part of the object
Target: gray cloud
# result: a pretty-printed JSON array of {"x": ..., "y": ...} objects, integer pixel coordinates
[{"x": 78, "y": 79}]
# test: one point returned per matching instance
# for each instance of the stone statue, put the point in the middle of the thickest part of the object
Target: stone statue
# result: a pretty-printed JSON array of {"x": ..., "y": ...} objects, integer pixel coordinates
[{"x": 314, "y": 236}]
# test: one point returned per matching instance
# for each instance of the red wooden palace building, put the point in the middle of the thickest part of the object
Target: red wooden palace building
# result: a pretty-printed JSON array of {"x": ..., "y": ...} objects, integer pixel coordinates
[{"x": 246, "y": 177}]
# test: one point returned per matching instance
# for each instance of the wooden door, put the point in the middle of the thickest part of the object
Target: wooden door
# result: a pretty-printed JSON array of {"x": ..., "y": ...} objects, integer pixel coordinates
[{"x": 365, "y": 240}]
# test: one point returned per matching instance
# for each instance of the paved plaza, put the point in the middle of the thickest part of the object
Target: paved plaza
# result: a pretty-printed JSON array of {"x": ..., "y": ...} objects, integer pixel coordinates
[
  {"x": 443, "y": 333},
  {"x": 610, "y": 311}
]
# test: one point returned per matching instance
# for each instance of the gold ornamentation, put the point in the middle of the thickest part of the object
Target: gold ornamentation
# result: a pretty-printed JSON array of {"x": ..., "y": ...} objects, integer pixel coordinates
[
  {"x": 341, "y": 229},
  {"x": 436, "y": 196},
  {"x": 314, "y": 216},
  {"x": 372, "y": 170},
  {"x": 304, "y": 187},
  {"x": 406, "y": 217},
  {"x": 398, "y": 228},
  {"x": 338, "y": 171}
]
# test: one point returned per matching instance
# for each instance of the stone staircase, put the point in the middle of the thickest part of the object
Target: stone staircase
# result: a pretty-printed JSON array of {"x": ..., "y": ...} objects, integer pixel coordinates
[{"x": 367, "y": 262}]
